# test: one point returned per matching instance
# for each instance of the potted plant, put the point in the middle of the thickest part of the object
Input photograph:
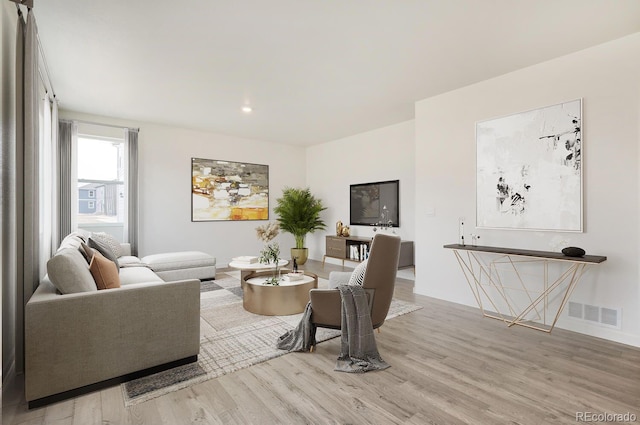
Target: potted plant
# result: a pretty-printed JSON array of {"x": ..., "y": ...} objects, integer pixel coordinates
[
  {"x": 270, "y": 254},
  {"x": 299, "y": 214}
]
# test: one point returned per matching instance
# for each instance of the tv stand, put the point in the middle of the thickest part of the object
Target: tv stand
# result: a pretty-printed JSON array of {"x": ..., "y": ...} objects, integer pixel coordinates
[{"x": 339, "y": 247}]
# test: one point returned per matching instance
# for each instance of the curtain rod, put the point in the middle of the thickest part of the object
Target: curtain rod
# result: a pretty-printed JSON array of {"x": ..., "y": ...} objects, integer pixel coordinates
[{"x": 105, "y": 125}]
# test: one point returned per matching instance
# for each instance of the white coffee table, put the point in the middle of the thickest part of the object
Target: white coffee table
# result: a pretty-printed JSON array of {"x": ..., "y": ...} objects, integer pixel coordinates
[{"x": 246, "y": 269}]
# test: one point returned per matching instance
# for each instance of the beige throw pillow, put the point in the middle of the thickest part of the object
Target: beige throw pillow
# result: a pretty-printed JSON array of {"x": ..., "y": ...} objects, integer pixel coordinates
[{"x": 104, "y": 272}]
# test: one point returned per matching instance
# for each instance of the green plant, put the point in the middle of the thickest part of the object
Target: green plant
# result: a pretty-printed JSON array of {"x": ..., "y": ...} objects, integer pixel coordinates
[
  {"x": 299, "y": 213},
  {"x": 270, "y": 254}
]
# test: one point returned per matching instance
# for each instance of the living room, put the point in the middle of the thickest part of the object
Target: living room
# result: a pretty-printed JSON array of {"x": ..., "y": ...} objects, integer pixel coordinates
[{"x": 432, "y": 154}]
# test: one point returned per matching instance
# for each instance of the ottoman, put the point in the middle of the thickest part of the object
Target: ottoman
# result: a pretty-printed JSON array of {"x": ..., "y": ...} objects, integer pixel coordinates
[{"x": 172, "y": 266}]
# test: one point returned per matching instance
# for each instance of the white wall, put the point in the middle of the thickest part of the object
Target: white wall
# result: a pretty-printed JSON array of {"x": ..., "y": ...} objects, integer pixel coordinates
[
  {"x": 607, "y": 78},
  {"x": 165, "y": 188},
  {"x": 378, "y": 155}
]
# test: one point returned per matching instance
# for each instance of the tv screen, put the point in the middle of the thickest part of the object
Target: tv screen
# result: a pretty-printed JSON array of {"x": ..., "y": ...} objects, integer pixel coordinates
[{"x": 375, "y": 204}]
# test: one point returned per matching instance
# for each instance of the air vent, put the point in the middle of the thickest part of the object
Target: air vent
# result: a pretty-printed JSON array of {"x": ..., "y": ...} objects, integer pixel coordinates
[
  {"x": 611, "y": 317},
  {"x": 575, "y": 310},
  {"x": 591, "y": 312}
]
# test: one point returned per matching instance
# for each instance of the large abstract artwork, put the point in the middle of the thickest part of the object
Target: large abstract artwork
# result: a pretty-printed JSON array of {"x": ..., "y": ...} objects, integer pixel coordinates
[
  {"x": 226, "y": 190},
  {"x": 529, "y": 170}
]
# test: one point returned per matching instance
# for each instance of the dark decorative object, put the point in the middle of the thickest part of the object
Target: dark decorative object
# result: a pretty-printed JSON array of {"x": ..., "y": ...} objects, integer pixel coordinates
[
  {"x": 573, "y": 251},
  {"x": 375, "y": 204}
]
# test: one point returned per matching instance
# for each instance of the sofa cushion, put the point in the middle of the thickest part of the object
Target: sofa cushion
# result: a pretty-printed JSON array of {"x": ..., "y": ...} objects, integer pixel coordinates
[
  {"x": 104, "y": 272},
  {"x": 109, "y": 241},
  {"x": 104, "y": 249},
  {"x": 72, "y": 240},
  {"x": 129, "y": 275},
  {"x": 178, "y": 260},
  {"x": 130, "y": 261},
  {"x": 69, "y": 272}
]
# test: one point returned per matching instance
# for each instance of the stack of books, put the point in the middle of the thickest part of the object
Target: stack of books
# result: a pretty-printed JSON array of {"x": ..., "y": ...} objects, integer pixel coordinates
[
  {"x": 359, "y": 252},
  {"x": 245, "y": 259}
]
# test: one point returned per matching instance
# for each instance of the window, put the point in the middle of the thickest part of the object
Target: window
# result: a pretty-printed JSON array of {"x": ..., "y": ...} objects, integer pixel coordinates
[{"x": 101, "y": 179}]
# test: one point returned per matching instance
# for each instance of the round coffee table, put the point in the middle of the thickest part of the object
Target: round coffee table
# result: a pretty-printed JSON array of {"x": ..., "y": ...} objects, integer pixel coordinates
[
  {"x": 246, "y": 269},
  {"x": 290, "y": 297}
]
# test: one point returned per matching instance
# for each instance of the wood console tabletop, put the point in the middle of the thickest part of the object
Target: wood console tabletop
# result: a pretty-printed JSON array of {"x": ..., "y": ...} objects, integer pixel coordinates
[{"x": 530, "y": 253}]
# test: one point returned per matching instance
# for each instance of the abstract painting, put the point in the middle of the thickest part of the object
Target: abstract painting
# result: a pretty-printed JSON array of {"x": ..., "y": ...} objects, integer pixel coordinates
[
  {"x": 529, "y": 170},
  {"x": 227, "y": 190}
]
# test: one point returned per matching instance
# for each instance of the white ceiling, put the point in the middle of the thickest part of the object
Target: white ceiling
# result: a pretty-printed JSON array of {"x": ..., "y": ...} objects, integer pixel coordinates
[{"x": 313, "y": 70}]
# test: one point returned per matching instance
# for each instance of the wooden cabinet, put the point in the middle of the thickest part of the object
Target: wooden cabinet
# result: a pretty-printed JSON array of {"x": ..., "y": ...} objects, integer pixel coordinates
[{"x": 340, "y": 247}]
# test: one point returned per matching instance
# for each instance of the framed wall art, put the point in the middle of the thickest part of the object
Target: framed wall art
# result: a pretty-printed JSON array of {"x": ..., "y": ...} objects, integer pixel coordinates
[
  {"x": 529, "y": 170},
  {"x": 228, "y": 191}
]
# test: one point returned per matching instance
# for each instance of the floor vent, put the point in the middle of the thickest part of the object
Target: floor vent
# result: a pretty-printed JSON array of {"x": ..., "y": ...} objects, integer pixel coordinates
[
  {"x": 591, "y": 312},
  {"x": 610, "y": 317},
  {"x": 575, "y": 310}
]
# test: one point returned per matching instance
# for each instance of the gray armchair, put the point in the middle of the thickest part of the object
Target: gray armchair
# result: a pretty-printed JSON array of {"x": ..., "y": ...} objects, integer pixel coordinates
[{"x": 379, "y": 283}]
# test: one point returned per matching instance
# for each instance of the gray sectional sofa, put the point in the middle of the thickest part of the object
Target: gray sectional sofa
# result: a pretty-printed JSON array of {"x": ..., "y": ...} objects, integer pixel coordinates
[{"x": 78, "y": 338}]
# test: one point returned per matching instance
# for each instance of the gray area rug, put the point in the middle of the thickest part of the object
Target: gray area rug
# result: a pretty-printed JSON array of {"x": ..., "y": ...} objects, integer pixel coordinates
[{"x": 231, "y": 338}]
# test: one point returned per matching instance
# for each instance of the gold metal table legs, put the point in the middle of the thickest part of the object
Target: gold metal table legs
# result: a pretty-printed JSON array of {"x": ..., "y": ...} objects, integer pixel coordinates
[{"x": 492, "y": 292}]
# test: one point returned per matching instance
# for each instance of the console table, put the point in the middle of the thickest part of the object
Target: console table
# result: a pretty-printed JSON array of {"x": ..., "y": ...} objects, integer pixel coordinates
[
  {"x": 491, "y": 289},
  {"x": 338, "y": 247}
]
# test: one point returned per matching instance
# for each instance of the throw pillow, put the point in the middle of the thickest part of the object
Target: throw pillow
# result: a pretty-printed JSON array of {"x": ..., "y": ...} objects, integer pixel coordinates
[
  {"x": 104, "y": 272},
  {"x": 68, "y": 272},
  {"x": 109, "y": 241},
  {"x": 86, "y": 252},
  {"x": 104, "y": 250},
  {"x": 357, "y": 277}
]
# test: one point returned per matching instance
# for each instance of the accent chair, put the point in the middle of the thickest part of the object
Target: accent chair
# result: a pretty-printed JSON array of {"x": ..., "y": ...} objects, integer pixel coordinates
[{"x": 379, "y": 283}]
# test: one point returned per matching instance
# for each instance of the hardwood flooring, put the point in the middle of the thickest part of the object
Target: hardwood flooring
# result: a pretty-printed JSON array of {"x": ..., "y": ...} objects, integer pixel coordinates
[{"x": 448, "y": 366}]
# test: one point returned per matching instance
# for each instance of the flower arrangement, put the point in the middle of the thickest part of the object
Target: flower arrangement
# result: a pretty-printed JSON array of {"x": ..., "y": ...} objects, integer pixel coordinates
[
  {"x": 268, "y": 231},
  {"x": 270, "y": 254}
]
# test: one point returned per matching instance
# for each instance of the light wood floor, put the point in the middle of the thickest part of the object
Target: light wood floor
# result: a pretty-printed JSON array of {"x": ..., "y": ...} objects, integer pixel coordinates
[{"x": 448, "y": 366}]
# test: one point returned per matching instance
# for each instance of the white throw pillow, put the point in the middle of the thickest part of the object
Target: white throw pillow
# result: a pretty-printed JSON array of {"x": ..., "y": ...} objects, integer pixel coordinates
[{"x": 357, "y": 277}]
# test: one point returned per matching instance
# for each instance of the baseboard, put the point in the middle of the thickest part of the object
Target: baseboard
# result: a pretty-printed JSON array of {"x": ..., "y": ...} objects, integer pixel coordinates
[{"x": 40, "y": 402}]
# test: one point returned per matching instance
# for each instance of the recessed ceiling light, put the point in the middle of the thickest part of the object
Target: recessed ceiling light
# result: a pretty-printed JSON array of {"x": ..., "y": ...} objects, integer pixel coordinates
[{"x": 247, "y": 109}]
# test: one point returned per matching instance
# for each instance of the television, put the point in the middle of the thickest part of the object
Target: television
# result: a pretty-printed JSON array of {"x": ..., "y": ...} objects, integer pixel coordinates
[{"x": 375, "y": 204}]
